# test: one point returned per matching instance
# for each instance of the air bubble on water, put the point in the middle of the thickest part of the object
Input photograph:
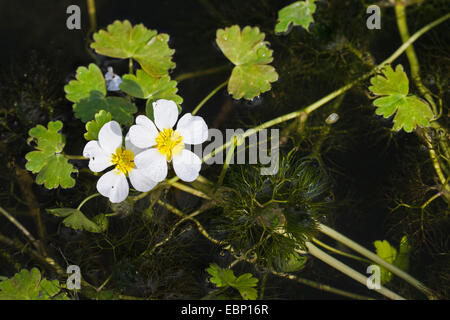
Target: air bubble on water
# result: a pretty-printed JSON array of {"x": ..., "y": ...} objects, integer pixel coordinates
[{"x": 332, "y": 118}]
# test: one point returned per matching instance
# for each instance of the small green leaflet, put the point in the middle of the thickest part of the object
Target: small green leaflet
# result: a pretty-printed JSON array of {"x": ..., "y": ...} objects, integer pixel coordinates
[
  {"x": 88, "y": 81},
  {"x": 147, "y": 47},
  {"x": 248, "y": 51},
  {"x": 93, "y": 127},
  {"x": 144, "y": 86},
  {"x": 88, "y": 92},
  {"x": 29, "y": 285},
  {"x": 399, "y": 259},
  {"x": 75, "y": 219},
  {"x": 388, "y": 253},
  {"x": 225, "y": 277},
  {"x": 299, "y": 13},
  {"x": 410, "y": 110},
  {"x": 52, "y": 167}
]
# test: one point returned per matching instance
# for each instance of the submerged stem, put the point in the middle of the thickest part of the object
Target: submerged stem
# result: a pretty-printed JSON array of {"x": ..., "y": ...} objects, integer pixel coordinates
[
  {"x": 87, "y": 199},
  {"x": 372, "y": 256},
  {"x": 338, "y": 265},
  {"x": 198, "y": 107}
]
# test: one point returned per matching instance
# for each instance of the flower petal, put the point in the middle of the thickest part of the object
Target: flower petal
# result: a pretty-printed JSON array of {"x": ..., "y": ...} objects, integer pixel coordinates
[
  {"x": 110, "y": 136},
  {"x": 152, "y": 163},
  {"x": 187, "y": 165},
  {"x": 113, "y": 185},
  {"x": 130, "y": 146},
  {"x": 141, "y": 182},
  {"x": 166, "y": 113},
  {"x": 99, "y": 159},
  {"x": 193, "y": 129},
  {"x": 144, "y": 133}
]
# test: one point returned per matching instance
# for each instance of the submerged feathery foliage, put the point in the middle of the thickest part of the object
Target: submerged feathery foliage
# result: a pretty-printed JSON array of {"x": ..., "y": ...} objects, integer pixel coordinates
[{"x": 273, "y": 215}]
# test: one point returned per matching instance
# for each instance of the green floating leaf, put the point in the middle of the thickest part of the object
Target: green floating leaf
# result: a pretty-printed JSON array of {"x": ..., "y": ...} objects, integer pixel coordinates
[
  {"x": 249, "y": 81},
  {"x": 225, "y": 277},
  {"x": 249, "y": 53},
  {"x": 147, "y": 47},
  {"x": 88, "y": 92},
  {"x": 410, "y": 110},
  {"x": 144, "y": 86},
  {"x": 93, "y": 127},
  {"x": 88, "y": 80},
  {"x": 53, "y": 168},
  {"x": 28, "y": 285},
  {"x": 299, "y": 13},
  {"x": 120, "y": 109},
  {"x": 75, "y": 219}
]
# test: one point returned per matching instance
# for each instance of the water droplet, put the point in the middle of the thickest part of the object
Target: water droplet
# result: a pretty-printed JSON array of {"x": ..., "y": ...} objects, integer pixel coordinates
[{"x": 261, "y": 52}]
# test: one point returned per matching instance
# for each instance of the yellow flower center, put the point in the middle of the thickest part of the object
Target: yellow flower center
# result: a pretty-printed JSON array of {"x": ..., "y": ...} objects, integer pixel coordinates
[
  {"x": 169, "y": 143},
  {"x": 124, "y": 160}
]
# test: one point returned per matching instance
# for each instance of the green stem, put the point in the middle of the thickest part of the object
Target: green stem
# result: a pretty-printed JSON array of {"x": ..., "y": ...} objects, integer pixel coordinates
[
  {"x": 190, "y": 190},
  {"x": 321, "y": 286},
  {"x": 73, "y": 157},
  {"x": 20, "y": 227},
  {"x": 345, "y": 254},
  {"x": 200, "y": 228},
  {"x": 400, "y": 14},
  {"x": 87, "y": 199},
  {"x": 338, "y": 265},
  {"x": 195, "y": 74},
  {"x": 411, "y": 54},
  {"x": 372, "y": 256},
  {"x": 130, "y": 66},
  {"x": 227, "y": 162},
  {"x": 220, "y": 86}
]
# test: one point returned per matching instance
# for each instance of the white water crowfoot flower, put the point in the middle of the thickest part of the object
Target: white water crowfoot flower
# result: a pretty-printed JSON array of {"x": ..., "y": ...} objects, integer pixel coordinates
[
  {"x": 166, "y": 144},
  {"x": 109, "y": 151}
]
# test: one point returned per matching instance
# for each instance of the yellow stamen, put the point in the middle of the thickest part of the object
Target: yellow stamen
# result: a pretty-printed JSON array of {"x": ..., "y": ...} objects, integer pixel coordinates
[
  {"x": 169, "y": 143},
  {"x": 124, "y": 160}
]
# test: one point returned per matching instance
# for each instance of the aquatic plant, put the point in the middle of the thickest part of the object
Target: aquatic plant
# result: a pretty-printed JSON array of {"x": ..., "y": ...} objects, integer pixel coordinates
[{"x": 272, "y": 223}]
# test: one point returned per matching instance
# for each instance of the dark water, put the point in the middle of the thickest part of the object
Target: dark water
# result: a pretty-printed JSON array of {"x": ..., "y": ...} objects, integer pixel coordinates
[{"x": 39, "y": 55}]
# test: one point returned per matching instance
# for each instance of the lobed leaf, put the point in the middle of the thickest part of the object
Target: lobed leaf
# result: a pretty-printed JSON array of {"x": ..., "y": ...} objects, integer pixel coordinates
[
  {"x": 144, "y": 86},
  {"x": 88, "y": 81},
  {"x": 225, "y": 277},
  {"x": 250, "y": 54},
  {"x": 75, "y": 219},
  {"x": 299, "y": 13},
  {"x": 52, "y": 168},
  {"x": 249, "y": 81},
  {"x": 147, "y": 47},
  {"x": 120, "y": 108},
  {"x": 410, "y": 111},
  {"x": 93, "y": 127},
  {"x": 28, "y": 285}
]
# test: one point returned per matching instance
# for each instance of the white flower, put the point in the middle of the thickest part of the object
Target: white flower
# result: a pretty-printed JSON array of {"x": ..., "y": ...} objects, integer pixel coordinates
[
  {"x": 168, "y": 144},
  {"x": 109, "y": 151},
  {"x": 113, "y": 81}
]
